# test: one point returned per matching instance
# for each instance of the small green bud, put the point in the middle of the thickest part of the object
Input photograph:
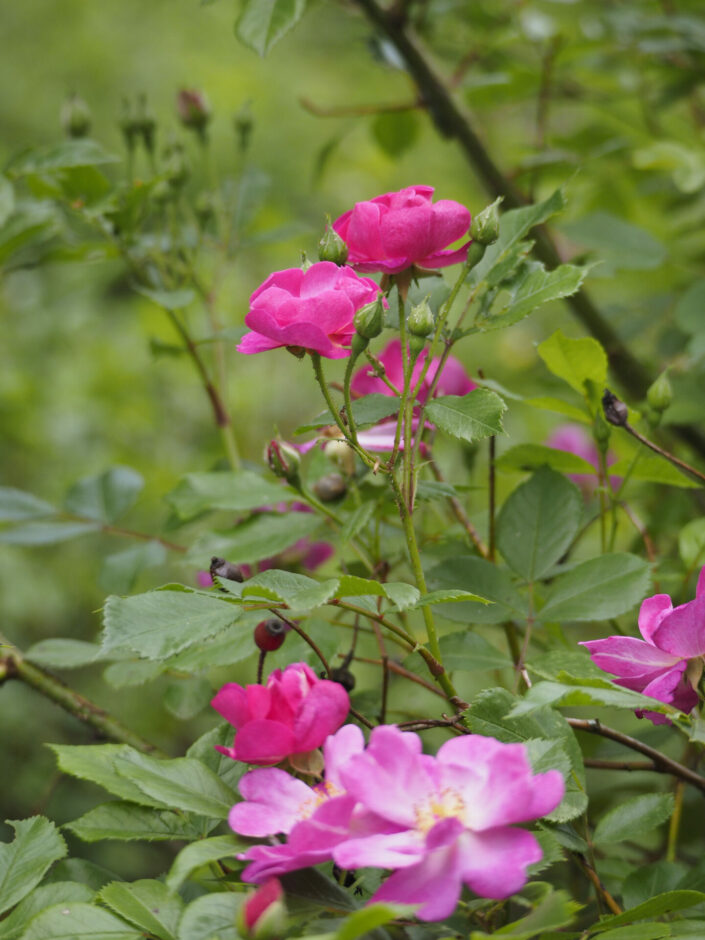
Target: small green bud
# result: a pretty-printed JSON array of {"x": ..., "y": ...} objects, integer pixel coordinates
[
  {"x": 485, "y": 225},
  {"x": 420, "y": 321},
  {"x": 75, "y": 117},
  {"x": 660, "y": 394},
  {"x": 369, "y": 320},
  {"x": 476, "y": 253},
  {"x": 416, "y": 345},
  {"x": 129, "y": 125},
  {"x": 243, "y": 124},
  {"x": 283, "y": 461},
  {"x": 331, "y": 247}
]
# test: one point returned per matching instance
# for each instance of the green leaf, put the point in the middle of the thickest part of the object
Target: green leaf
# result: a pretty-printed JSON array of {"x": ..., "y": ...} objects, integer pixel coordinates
[
  {"x": 468, "y": 417},
  {"x": 148, "y": 904},
  {"x": 685, "y": 164},
  {"x": 691, "y": 542},
  {"x": 97, "y": 763},
  {"x": 357, "y": 521},
  {"x": 395, "y": 132},
  {"x": 638, "y": 932},
  {"x": 654, "y": 470},
  {"x": 484, "y": 579},
  {"x": 161, "y": 623},
  {"x": 60, "y": 653},
  {"x": 468, "y": 652},
  {"x": 555, "y": 911},
  {"x": 262, "y": 23},
  {"x": 295, "y": 590},
  {"x": 262, "y": 536},
  {"x": 121, "y": 569},
  {"x": 185, "y": 698},
  {"x": 76, "y": 921},
  {"x": 312, "y": 885},
  {"x": 690, "y": 308},
  {"x": 620, "y": 245},
  {"x": 367, "y": 411},
  {"x": 60, "y": 892},
  {"x": 106, "y": 496},
  {"x": 528, "y": 457},
  {"x": 70, "y": 153},
  {"x": 234, "y": 492},
  {"x": 46, "y": 533},
  {"x": 575, "y": 360},
  {"x": 201, "y": 853},
  {"x": 181, "y": 783},
  {"x": 456, "y": 596},
  {"x": 16, "y": 505},
  {"x": 361, "y": 923},
  {"x": 538, "y": 287},
  {"x": 665, "y": 903},
  {"x": 633, "y": 817},
  {"x": 7, "y": 199},
  {"x": 403, "y": 596},
  {"x": 127, "y": 822},
  {"x": 25, "y": 860},
  {"x": 602, "y": 587},
  {"x": 587, "y": 692},
  {"x": 211, "y": 916},
  {"x": 538, "y": 522}
]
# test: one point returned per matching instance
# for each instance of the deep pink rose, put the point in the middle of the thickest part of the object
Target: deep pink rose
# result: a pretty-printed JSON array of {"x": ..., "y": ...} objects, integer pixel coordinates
[
  {"x": 311, "y": 309},
  {"x": 293, "y": 713},
  {"x": 656, "y": 665},
  {"x": 454, "y": 380},
  {"x": 391, "y": 232}
]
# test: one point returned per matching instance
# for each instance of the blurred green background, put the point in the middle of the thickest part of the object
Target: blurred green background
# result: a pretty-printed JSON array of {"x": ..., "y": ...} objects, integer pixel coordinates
[{"x": 608, "y": 99}]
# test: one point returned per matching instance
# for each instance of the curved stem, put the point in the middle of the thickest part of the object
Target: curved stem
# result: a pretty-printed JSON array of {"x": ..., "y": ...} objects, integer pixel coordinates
[
  {"x": 321, "y": 379},
  {"x": 346, "y": 395}
]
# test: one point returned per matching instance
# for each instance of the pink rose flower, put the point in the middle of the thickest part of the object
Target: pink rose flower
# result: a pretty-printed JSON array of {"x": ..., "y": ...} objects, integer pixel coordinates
[
  {"x": 263, "y": 913},
  {"x": 657, "y": 665},
  {"x": 454, "y": 380},
  {"x": 438, "y": 822},
  {"x": 574, "y": 439},
  {"x": 391, "y": 232},
  {"x": 293, "y": 713},
  {"x": 311, "y": 309}
]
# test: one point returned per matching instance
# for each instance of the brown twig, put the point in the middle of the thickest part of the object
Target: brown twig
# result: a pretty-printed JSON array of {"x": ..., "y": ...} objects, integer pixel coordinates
[
  {"x": 595, "y": 879},
  {"x": 629, "y": 765},
  {"x": 393, "y": 666}
]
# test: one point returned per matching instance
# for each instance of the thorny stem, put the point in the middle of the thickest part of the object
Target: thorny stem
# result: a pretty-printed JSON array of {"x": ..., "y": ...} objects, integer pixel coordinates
[
  {"x": 13, "y": 665},
  {"x": 405, "y": 389},
  {"x": 348, "y": 400}
]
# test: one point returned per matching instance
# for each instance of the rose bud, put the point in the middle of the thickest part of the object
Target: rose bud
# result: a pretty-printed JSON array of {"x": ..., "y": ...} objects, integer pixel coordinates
[
  {"x": 220, "y": 568},
  {"x": 270, "y": 634},
  {"x": 369, "y": 320},
  {"x": 243, "y": 124},
  {"x": 660, "y": 394},
  {"x": 485, "y": 225},
  {"x": 75, "y": 117},
  {"x": 331, "y": 247},
  {"x": 263, "y": 915},
  {"x": 193, "y": 109},
  {"x": 283, "y": 460},
  {"x": 330, "y": 487},
  {"x": 420, "y": 321}
]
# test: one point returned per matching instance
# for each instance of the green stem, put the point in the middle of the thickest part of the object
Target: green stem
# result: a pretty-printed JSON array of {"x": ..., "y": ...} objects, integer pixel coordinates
[
  {"x": 405, "y": 389},
  {"x": 13, "y": 665},
  {"x": 674, "y": 826},
  {"x": 346, "y": 395},
  {"x": 321, "y": 379}
]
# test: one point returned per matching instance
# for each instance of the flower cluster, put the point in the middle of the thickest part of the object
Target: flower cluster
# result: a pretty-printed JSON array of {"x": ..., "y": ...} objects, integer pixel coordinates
[
  {"x": 437, "y": 822},
  {"x": 668, "y": 663}
]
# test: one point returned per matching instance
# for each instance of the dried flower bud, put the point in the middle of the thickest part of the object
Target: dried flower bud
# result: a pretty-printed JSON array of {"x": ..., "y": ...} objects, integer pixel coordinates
[
  {"x": 485, "y": 226},
  {"x": 263, "y": 915},
  {"x": 270, "y": 634},
  {"x": 420, "y": 321},
  {"x": 283, "y": 460},
  {"x": 660, "y": 393},
  {"x": 193, "y": 109},
  {"x": 220, "y": 568},
  {"x": 369, "y": 320},
  {"x": 330, "y": 487},
  {"x": 616, "y": 412},
  {"x": 344, "y": 677},
  {"x": 331, "y": 247},
  {"x": 75, "y": 117}
]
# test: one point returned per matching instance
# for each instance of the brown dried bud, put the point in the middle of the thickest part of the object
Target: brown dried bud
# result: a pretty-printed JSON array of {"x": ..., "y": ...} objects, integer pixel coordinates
[
  {"x": 220, "y": 568},
  {"x": 616, "y": 412}
]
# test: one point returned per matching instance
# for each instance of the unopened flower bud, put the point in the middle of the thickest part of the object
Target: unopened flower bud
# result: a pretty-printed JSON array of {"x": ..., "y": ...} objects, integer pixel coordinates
[
  {"x": 420, "y": 321},
  {"x": 283, "y": 461},
  {"x": 485, "y": 226},
  {"x": 270, "y": 634},
  {"x": 330, "y": 487},
  {"x": 369, "y": 320},
  {"x": 616, "y": 412},
  {"x": 476, "y": 253},
  {"x": 331, "y": 247},
  {"x": 194, "y": 110},
  {"x": 416, "y": 345},
  {"x": 660, "y": 394},
  {"x": 220, "y": 568},
  {"x": 243, "y": 124},
  {"x": 342, "y": 455},
  {"x": 263, "y": 915},
  {"x": 75, "y": 117}
]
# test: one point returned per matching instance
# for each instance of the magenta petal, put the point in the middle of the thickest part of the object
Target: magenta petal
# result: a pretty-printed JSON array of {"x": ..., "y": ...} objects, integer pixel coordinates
[
  {"x": 449, "y": 222},
  {"x": 273, "y": 803},
  {"x": 264, "y": 742},
  {"x": 324, "y": 710},
  {"x": 338, "y": 749},
  {"x": 442, "y": 259},
  {"x": 627, "y": 656},
  {"x": 252, "y": 343},
  {"x": 673, "y": 685},
  {"x": 231, "y": 703},
  {"x": 651, "y": 613},
  {"x": 494, "y": 862},
  {"x": 682, "y": 632},
  {"x": 434, "y": 883},
  {"x": 385, "y": 850},
  {"x": 700, "y": 589}
]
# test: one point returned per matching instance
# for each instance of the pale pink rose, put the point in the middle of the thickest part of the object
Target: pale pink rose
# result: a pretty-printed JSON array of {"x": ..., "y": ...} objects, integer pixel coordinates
[
  {"x": 293, "y": 713},
  {"x": 310, "y": 310},
  {"x": 656, "y": 665},
  {"x": 391, "y": 232}
]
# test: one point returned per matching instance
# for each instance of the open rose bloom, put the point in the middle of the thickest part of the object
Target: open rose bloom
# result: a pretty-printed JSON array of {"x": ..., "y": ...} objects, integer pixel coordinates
[
  {"x": 310, "y": 310},
  {"x": 397, "y": 230},
  {"x": 438, "y": 822},
  {"x": 668, "y": 661}
]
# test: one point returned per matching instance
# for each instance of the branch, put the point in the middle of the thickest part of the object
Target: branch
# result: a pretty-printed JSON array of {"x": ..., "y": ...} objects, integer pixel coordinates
[
  {"x": 452, "y": 122},
  {"x": 662, "y": 763}
]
